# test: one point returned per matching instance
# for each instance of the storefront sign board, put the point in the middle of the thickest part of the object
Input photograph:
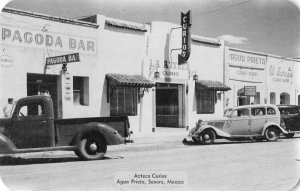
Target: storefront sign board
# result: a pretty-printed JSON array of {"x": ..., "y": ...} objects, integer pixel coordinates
[
  {"x": 250, "y": 90},
  {"x": 63, "y": 59},
  {"x": 186, "y": 37},
  {"x": 243, "y": 59},
  {"x": 281, "y": 72},
  {"x": 52, "y": 41},
  {"x": 246, "y": 74}
]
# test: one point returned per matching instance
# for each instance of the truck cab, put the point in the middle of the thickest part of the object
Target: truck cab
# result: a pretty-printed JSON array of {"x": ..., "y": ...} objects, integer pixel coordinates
[{"x": 32, "y": 128}]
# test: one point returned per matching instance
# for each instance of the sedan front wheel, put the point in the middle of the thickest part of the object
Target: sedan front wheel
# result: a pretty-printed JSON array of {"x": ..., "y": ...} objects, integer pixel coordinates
[{"x": 206, "y": 137}]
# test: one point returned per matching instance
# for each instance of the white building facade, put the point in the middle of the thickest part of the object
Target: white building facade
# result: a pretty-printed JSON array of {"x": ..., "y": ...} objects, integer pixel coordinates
[
  {"x": 126, "y": 68},
  {"x": 260, "y": 78}
]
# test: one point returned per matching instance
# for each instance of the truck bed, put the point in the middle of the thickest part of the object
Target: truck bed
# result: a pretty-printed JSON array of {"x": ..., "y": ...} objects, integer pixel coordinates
[{"x": 65, "y": 129}]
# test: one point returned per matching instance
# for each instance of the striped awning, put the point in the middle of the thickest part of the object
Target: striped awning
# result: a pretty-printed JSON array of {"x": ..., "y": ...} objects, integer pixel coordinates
[
  {"x": 212, "y": 85},
  {"x": 126, "y": 80}
]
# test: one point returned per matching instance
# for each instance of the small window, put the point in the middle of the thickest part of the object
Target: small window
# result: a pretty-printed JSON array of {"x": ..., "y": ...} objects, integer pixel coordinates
[
  {"x": 292, "y": 111},
  {"x": 32, "y": 109},
  {"x": 123, "y": 101},
  {"x": 81, "y": 90},
  {"x": 240, "y": 112},
  {"x": 258, "y": 111},
  {"x": 206, "y": 100},
  {"x": 271, "y": 111}
]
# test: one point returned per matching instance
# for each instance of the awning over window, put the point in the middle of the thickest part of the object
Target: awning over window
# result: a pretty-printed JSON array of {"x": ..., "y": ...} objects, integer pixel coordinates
[
  {"x": 129, "y": 80},
  {"x": 212, "y": 85}
]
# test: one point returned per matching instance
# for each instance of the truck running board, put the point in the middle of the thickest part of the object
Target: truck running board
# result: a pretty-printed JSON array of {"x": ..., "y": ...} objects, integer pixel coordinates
[{"x": 62, "y": 148}]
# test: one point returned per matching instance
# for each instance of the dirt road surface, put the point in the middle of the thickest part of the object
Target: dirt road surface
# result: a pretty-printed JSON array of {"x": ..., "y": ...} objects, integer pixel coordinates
[{"x": 222, "y": 166}]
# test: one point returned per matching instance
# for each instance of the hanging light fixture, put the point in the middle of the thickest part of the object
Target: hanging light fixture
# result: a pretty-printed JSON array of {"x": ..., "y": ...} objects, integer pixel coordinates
[
  {"x": 195, "y": 77},
  {"x": 156, "y": 74}
]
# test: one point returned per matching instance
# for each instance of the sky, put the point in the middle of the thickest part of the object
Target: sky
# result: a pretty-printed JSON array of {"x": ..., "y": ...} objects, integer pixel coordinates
[{"x": 267, "y": 26}]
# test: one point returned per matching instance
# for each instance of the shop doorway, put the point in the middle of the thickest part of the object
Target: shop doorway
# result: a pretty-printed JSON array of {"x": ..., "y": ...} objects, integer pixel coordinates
[
  {"x": 38, "y": 82},
  {"x": 169, "y": 105},
  {"x": 243, "y": 99}
]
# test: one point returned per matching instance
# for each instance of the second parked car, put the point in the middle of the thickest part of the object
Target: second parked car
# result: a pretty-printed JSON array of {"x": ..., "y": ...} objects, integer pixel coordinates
[
  {"x": 256, "y": 122},
  {"x": 290, "y": 119}
]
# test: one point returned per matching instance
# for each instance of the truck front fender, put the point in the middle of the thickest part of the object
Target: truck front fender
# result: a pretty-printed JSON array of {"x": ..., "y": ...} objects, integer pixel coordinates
[
  {"x": 216, "y": 130},
  {"x": 6, "y": 145},
  {"x": 273, "y": 124},
  {"x": 111, "y": 136}
]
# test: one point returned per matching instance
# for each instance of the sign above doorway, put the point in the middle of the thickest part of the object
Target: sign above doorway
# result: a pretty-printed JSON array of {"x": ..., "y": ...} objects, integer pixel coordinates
[
  {"x": 249, "y": 90},
  {"x": 63, "y": 59}
]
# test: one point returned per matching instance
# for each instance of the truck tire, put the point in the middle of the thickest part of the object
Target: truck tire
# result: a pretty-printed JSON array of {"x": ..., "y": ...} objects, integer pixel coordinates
[
  {"x": 91, "y": 146},
  {"x": 207, "y": 137}
]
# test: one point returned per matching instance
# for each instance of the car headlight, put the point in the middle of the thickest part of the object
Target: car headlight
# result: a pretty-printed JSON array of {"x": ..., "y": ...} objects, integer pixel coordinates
[{"x": 204, "y": 123}]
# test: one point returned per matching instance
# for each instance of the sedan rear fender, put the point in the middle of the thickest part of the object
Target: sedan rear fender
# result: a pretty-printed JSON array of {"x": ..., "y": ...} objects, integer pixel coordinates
[
  {"x": 269, "y": 124},
  {"x": 110, "y": 135},
  {"x": 6, "y": 145},
  {"x": 217, "y": 131}
]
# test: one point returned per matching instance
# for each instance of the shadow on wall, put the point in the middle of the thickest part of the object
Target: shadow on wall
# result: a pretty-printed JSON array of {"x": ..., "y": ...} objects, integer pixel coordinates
[{"x": 104, "y": 108}]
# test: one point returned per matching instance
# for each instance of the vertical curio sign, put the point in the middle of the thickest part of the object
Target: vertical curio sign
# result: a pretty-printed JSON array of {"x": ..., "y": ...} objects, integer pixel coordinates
[{"x": 186, "y": 37}]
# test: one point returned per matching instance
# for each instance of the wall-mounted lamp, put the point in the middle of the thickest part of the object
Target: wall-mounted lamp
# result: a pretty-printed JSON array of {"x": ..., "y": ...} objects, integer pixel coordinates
[
  {"x": 156, "y": 74},
  {"x": 194, "y": 74},
  {"x": 219, "y": 95},
  {"x": 64, "y": 68},
  {"x": 142, "y": 91}
]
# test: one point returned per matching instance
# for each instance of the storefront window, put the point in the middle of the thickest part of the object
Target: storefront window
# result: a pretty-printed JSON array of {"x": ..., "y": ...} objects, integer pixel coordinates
[
  {"x": 273, "y": 98},
  {"x": 205, "y": 100},
  {"x": 81, "y": 90},
  {"x": 284, "y": 98},
  {"x": 123, "y": 101}
]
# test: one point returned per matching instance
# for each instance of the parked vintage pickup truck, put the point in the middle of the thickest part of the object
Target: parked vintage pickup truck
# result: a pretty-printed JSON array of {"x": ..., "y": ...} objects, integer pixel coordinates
[{"x": 32, "y": 128}]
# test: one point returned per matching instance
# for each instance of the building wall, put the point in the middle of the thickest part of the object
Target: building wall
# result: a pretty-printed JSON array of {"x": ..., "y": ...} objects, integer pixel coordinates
[
  {"x": 269, "y": 74},
  {"x": 281, "y": 79},
  {"x": 207, "y": 61},
  {"x": 26, "y": 43}
]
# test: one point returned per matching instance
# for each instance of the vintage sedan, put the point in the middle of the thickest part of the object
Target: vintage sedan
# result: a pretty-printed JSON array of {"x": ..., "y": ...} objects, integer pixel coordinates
[{"x": 254, "y": 122}]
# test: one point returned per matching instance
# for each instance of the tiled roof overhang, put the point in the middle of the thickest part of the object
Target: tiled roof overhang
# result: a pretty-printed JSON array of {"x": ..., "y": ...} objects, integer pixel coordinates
[
  {"x": 212, "y": 85},
  {"x": 125, "y": 80}
]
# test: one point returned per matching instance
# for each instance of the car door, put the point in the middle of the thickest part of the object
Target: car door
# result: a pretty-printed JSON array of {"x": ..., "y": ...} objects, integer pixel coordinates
[
  {"x": 29, "y": 128},
  {"x": 239, "y": 122},
  {"x": 259, "y": 118},
  {"x": 290, "y": 116}
]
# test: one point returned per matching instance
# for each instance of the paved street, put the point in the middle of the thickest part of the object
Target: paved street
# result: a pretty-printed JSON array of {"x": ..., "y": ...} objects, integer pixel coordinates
[{"x": 222, "y": 166}]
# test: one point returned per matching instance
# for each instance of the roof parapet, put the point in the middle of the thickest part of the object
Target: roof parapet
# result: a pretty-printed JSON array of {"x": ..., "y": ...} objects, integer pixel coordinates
[{"x": 50, "y": 18}]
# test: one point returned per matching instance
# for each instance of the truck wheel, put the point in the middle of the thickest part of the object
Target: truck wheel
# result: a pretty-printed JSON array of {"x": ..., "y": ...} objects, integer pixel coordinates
[
  {"x": 272, "y": 134},
  {"x": 206, "y": 137},
  {"x": 290, "y": 135},
  {"x": 91, "y": 147}
]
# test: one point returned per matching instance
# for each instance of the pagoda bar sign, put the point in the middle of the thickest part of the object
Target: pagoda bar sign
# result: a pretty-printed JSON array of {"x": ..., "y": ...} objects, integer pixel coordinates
[
  {"x": 186, "y": 37},
  {"x": 63, "y": 59}
]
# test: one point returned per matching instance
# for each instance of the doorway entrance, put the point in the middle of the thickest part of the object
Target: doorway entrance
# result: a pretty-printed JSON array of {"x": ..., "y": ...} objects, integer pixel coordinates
[
  {"x": 169, "y": 105},
  {"x": 36, "y": 83}
]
